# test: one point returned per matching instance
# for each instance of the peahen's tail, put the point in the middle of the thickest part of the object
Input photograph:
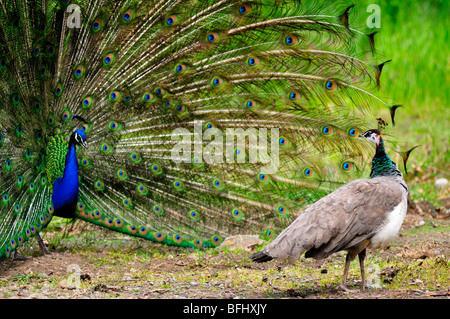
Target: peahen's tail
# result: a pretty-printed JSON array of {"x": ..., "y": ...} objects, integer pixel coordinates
[
  {"x": 203, "y": 118},
  {"x": 260, "y": 257}
]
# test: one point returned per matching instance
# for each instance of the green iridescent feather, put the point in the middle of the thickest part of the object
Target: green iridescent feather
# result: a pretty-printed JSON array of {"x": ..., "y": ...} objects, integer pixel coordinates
[{"x": 55, "y": 156}]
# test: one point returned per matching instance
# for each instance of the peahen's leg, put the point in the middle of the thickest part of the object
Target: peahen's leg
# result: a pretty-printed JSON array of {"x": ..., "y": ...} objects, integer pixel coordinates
[
  {"x": 44, "y": 249},
  {"x": 362, "y": 256},
  {"x": 350, "y": 257}
]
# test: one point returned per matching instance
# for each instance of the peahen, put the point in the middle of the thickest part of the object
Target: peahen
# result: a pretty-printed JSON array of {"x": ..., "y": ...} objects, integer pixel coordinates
[
  {"x": 181, "y": 122},
  {"x": 365, "y": 213}
]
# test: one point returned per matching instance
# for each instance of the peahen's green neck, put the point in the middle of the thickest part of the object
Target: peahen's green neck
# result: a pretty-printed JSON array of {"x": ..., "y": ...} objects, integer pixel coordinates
[{"x": 382, "y": 165}]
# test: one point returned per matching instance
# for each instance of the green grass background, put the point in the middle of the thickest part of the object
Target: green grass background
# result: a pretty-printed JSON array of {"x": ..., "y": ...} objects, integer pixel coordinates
[{"x": 415, "y": 35}]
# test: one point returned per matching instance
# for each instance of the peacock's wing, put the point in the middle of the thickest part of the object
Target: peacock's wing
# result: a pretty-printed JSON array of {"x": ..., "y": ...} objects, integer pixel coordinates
[{"x": 205, "y": 118}]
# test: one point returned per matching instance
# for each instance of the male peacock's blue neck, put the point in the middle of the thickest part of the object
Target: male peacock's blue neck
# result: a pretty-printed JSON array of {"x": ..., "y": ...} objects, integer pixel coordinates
[
  {"x": 65, "y": 189},
  {"x": 382, "y": 165}
]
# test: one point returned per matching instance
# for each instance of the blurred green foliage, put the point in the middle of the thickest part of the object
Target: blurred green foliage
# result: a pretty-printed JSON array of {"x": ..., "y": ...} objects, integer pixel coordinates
[{"x": 415, "y": 35}]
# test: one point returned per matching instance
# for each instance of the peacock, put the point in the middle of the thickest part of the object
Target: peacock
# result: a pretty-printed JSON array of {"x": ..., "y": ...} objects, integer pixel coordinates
[{"x": 180, "y": 122}]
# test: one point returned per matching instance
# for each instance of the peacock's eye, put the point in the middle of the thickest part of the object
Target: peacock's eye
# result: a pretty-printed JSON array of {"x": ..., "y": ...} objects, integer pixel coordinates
[
  {"x": 330, "y": 85},
  {"x": 244, "y": 9},
  {"x": 291, "y": 40},
  {"x": 171, "y": 20}
]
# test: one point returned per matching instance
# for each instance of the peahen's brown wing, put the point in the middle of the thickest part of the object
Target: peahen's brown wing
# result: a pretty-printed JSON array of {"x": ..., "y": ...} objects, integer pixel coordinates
[{"x": 344, "y": 218}]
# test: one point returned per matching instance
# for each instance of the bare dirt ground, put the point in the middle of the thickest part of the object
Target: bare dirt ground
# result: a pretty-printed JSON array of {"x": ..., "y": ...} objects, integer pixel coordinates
[{"x": 416, "y": 265}]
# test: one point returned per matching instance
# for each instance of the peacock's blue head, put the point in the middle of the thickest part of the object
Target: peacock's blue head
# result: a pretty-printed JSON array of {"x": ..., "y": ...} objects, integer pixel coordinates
[{"x": 80, "y": 138}]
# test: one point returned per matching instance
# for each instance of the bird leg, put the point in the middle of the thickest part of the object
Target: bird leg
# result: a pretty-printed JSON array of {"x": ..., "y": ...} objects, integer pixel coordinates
[
  {"x": 350, "y": 257},
  {"x": 362, "y": 256},
  {"x": 44, "y": 249},
  {"x": 360, "y": 251}
]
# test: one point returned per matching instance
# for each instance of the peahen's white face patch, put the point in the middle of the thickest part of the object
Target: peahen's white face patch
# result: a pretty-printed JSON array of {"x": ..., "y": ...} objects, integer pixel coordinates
[{"x": 372, "y": 136}]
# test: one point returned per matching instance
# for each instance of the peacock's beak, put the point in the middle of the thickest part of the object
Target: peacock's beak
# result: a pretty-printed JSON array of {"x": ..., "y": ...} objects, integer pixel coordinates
[{"x": 84, "y": 144}]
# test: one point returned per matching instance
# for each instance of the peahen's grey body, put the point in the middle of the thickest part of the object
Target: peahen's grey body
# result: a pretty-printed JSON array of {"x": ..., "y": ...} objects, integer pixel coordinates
[{"x": 347, "y": 218}]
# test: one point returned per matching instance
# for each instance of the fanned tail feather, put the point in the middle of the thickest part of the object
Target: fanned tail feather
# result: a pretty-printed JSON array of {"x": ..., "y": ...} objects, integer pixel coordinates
[{"x": 203, "y": 118}]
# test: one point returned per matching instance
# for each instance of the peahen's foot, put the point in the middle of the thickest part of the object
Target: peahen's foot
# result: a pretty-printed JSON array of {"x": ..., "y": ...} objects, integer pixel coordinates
[
  {"x": 344, "y": 288},
  {"x": 44, "y": 249}
]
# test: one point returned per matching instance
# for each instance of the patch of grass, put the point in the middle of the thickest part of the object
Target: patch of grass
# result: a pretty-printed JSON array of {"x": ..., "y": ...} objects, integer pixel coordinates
[
  {"x": 429, "y": 227},
  {"x": 431, "y": 274}
]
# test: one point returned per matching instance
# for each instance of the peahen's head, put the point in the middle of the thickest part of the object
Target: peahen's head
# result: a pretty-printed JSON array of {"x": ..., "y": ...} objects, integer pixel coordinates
[
  {"x": 373, "y": 136},
  {"x": 79, "y": 137}
]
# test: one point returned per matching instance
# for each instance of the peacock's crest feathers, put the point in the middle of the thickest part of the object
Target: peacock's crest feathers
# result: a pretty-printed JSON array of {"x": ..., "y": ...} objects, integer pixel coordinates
[{"x": 203, "y": 118}]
